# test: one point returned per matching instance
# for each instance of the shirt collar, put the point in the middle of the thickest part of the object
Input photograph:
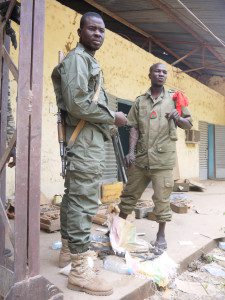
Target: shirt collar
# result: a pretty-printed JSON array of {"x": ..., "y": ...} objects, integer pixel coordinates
[
  {"x": 159, "y": 98},
  {"x": 82, "y": 48}
]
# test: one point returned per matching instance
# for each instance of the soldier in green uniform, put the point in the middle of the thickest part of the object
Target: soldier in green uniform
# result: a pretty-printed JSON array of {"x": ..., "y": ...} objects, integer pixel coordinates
[
  {"x": 152, "y": 145},
  {"x": 76, "y": 81}
]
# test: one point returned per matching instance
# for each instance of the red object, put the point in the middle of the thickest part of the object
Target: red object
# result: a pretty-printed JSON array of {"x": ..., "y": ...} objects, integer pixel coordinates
[
  {"x": 153, "y": 115},
  {"x": 180, "y": 100}
]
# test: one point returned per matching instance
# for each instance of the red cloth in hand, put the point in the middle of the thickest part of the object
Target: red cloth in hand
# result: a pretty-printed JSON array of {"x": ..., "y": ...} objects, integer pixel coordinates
[{"x": 180, "y": 101}]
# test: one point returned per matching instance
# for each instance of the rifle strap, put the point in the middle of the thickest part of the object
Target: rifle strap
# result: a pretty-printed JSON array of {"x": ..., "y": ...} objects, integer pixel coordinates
[{"x": 81, "y": 123}]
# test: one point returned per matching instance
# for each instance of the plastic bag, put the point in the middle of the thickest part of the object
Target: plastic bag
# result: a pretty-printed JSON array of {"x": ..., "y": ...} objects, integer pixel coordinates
[
  {"x": 160, "y": 270},
  {"x": 123, "y": 236}
]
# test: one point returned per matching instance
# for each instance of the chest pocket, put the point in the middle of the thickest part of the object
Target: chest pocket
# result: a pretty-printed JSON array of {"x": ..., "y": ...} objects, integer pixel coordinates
[{"x": 94, "y": 77}]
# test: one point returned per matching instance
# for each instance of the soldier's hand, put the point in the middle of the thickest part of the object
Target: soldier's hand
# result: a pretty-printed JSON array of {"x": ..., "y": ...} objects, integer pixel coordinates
[
  {"x": 130, "y": 159},
  {"x": 113, "y": 208},
  {"x": 173, "y": 115},
  {"x": 12, "y": 159},
  {"x": 120, "y": 119}
]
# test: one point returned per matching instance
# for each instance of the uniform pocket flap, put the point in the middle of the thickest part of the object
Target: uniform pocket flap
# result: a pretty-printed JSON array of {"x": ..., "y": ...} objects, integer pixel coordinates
[
  {"x": 84, "y": 166},
  {"x": 166, "y": 148},
  {"x": 168, "y": 181}
]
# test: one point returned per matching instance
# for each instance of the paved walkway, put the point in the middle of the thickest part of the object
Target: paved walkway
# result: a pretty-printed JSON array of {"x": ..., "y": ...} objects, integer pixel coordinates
[{"x": 204, "y": 222}]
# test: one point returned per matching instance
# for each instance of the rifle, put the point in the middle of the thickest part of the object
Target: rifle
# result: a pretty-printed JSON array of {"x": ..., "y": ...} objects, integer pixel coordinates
[
  {"x": 62, "y": 139},
  {"x": 118, "y": 149}
]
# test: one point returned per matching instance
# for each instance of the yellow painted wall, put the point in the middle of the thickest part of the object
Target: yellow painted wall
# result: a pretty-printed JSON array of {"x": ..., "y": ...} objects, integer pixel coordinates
[
  {"x": 125, "y": 68},
  {"x": 217, "y": 83}
]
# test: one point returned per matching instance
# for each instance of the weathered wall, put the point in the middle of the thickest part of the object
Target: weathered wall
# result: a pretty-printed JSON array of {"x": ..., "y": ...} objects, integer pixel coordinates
[
  {"x": 125, "y": 68},
  {"x": 217, "y": 83}
]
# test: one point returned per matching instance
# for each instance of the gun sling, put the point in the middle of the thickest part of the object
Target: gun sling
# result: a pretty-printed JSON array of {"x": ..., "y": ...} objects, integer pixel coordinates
[{"x": 81, "y": 123}]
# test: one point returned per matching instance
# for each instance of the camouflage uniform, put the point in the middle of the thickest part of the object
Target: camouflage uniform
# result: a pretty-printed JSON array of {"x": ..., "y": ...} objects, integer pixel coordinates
[
  {"x": 75, "y": 81},
  {"x": 155, "y": 153}
]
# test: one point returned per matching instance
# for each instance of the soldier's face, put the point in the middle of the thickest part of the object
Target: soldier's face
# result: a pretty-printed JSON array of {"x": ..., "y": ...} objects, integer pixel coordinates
[
  {"x": 158, "y": 75},
  {"x": 92, "y": 34}
]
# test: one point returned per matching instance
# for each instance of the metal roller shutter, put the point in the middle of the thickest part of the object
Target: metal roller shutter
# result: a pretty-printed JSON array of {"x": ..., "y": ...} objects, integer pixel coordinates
[
  {"x": 220, "y": 151},
  {"x": 110, "y": 171},
  {"x": 203, "y": 151}
]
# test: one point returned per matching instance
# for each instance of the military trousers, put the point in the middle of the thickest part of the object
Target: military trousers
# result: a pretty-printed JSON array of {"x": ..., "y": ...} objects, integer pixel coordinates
[
  {"x": 138, "y": 180},
  {"x": 85, "y": 163}
]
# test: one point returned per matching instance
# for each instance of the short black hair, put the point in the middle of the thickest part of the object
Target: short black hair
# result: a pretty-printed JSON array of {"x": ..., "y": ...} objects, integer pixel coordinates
[
  {"x": 87, "y": 15},
  {"x": 154, "y": 65}
]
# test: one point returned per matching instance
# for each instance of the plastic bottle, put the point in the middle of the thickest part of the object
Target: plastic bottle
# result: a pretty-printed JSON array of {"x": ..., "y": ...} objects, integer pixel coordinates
[
  {"x": 117, "y": 265},
  {"x": 57, "y": 245}
]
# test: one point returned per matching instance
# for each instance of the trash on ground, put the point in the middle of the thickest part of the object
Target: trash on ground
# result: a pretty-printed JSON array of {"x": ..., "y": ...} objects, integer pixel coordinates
[
  {"x": 179, "y": 197},
  {"x": 57, "y": 199},
  {"x": 194, "y": 265},
  {"x": 179, "y": 203},
  {"x": 219, "y": 259},
  {"x": 141, "y": 234},
  {"x": 180, "y": 186},
  {"x": 215, "y": 270},
  {"x": 117, "y": 264},
  {"x": 56, "y": 245},
  {"x": 123, "y": 236},
  {"x": 187, "y": 286},
  {"x": 160, "y": 270},
  {"x": 221, "y": 245}
]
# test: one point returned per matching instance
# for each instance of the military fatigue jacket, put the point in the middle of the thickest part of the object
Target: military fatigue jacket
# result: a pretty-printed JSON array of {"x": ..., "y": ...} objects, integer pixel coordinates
[
  {"x": 75, "y": 81},
  {"x": 157, "y": 136}
]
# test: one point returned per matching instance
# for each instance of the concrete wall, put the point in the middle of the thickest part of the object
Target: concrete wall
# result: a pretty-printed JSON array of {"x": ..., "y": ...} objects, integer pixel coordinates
[
  {"x": 217, "y": 83},
  {"x": 125, "y": 68}
]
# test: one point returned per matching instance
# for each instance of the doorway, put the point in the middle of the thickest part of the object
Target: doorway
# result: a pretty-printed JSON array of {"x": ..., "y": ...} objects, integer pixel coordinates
[{"x": 124, "y": 106}]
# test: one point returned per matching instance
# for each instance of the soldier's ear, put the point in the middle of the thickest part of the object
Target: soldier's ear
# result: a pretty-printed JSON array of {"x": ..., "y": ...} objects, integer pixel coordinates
[
  {"x": 79, "y": 31},
  {"x": 149, "y": 75}
]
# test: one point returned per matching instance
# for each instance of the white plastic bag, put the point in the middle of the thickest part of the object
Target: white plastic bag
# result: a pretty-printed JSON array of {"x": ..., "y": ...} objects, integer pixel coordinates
[{"x": 123, "y": 236}]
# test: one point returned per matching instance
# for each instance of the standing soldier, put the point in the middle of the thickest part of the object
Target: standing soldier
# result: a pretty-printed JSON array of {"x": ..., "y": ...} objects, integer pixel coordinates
[
  {"x": 78, "y": 86},
  {"x": 152, "y": 150}
]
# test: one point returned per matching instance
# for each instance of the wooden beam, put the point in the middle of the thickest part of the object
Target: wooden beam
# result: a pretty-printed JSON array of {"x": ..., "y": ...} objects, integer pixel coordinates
[
  {"x": 24, "y": 106},
  {"x": 35, "y": 137},
  {"x": 167, "y": 9},
  {"x": 185, "y": 56},
  {"x": 135, "y": 28},
  {"x": 6, "y": 223},
  {"x": 12, "y": 67},
  {"x": 191, "y": 70}
]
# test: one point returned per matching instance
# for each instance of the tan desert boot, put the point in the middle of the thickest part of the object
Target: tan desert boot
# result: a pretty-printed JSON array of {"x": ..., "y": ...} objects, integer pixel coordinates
[
  {"x": 64, "y": 255},
  {"x": 83, "y": 278}
]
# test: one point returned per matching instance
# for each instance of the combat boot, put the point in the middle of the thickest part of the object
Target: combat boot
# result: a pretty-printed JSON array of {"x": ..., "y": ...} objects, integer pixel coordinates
[
  {"x": 83, "y": 278},
  {"x": 64, "y": 255}
]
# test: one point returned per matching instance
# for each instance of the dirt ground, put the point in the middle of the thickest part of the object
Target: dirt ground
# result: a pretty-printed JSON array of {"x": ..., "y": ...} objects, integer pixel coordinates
[
  {"x": 196, "y": 283},
  {"x": 204, "y": 222}
]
